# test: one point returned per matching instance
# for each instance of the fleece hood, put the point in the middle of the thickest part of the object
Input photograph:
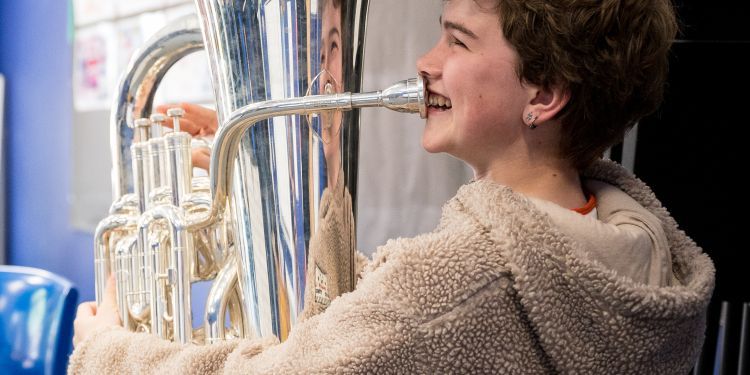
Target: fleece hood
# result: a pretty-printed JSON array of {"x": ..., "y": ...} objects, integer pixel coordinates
[
  {"x": 620, "y": 234},
  {"x": 591, "y": 304}
]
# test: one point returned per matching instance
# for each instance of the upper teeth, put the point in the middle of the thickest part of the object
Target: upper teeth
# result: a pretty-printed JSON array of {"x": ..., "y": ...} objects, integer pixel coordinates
[{"x": 439, "y": 100}]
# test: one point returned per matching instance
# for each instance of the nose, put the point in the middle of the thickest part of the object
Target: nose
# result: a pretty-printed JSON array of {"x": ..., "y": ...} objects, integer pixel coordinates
[{"x": 429, "y": 65}]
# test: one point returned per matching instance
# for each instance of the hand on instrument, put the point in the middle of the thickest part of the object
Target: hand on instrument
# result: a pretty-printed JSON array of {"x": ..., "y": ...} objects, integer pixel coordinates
[
  {"x": 91, "y": 317},
  {"x": 199, "y": 121},
  {"x": 201, "y": 157}
]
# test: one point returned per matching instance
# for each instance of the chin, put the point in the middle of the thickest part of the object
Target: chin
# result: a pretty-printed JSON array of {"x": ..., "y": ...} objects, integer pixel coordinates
[
  {"x": 436, "y": 148},
  {"x": 431, "y": 145}
]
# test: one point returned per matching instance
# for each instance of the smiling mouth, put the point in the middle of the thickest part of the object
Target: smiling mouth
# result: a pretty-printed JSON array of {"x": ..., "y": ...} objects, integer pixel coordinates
[{"x": 437, "y": 101}]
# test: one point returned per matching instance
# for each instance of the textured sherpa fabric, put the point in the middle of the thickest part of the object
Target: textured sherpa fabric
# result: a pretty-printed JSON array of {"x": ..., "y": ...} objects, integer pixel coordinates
[
  {"x": 635, "y": 244},
  {"x": 496, "y": 288},
  {"x": 329, "y": 269}
]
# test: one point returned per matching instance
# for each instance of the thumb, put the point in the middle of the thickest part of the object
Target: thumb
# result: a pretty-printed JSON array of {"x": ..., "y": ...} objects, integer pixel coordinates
[
  {"x": 110, "y": 293},
  {"x": 109, "y": 309}
]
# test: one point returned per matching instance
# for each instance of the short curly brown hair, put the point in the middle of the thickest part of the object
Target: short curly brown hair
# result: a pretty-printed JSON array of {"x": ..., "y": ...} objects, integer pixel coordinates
[{"x": 612, "y": 56}]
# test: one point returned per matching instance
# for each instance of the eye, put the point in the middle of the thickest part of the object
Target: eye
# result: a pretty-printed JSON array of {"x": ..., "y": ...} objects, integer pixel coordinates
[{"x": 453, "y": 41}]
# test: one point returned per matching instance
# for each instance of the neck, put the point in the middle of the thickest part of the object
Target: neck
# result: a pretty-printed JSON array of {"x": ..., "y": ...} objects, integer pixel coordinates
[{"x": 549, "y": 179}]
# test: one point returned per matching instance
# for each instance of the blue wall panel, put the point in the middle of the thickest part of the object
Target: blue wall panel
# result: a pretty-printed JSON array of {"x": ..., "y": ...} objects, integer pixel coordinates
[{"x": 36, "y": 57}]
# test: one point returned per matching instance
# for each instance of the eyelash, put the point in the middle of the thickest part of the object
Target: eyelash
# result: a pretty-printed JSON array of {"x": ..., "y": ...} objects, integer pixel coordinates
[{"x": 455, "y": 42}]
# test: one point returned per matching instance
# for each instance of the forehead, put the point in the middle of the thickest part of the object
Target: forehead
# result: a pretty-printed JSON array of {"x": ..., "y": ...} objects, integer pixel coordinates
[
  {"x": 471, "y": 9},
  {"x": 471, "y": 15},
  {"x": 487, "y": 6}
]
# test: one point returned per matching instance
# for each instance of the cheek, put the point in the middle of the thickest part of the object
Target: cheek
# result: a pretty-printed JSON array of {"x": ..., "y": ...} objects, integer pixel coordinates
[
  {"x": 484, "y": 89},
  {"x": 497, "y": 96}
]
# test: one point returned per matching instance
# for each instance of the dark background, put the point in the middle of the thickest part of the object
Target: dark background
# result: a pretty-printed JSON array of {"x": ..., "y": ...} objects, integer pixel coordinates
[{"x": 693, "y": 151}]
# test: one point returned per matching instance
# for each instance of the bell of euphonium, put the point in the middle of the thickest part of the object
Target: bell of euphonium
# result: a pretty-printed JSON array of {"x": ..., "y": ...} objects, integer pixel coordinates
[{"x": 274, "y": 225}]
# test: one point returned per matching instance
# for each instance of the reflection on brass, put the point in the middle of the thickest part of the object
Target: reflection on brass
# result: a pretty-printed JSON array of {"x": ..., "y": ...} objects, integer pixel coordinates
[{"x": 273, "y": 226}]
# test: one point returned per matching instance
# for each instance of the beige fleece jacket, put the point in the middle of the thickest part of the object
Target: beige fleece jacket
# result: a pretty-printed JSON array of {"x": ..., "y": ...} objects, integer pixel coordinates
[{"x": 496, "y": 288}]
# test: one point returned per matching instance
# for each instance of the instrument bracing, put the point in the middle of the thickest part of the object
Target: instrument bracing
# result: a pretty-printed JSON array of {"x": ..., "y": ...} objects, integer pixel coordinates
[{"x": 272, "y": 227}]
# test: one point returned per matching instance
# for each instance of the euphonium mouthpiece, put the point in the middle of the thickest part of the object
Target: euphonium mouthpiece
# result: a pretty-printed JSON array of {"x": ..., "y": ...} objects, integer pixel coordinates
[
  {"x": 406, "y": 96},
  {"x": 403, "y": 96}
]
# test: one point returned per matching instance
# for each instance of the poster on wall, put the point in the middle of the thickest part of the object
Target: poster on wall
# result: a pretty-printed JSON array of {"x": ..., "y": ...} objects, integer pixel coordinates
[
  {"x": 94, "y": 67},
  {"x": 189, "y": 80},
  {"x": 91, "y": 11},
  {"x": 132, "y": 7},
  {"x": 129, "y": 39}
]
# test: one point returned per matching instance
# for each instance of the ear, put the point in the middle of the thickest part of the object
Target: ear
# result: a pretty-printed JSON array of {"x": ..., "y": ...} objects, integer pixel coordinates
[{"x": 544, "y": 103}]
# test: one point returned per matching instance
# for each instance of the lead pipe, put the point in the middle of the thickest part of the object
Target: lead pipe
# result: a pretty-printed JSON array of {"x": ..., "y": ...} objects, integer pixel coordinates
[{"x": 404, "y": 96}]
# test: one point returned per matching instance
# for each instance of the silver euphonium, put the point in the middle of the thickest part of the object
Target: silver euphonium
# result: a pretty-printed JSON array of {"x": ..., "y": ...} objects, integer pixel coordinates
[{"x": 273, "y": 225}]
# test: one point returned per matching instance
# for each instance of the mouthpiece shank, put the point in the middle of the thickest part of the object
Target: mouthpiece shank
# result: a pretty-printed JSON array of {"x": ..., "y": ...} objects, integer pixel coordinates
[{"x": 405, "y": 96}]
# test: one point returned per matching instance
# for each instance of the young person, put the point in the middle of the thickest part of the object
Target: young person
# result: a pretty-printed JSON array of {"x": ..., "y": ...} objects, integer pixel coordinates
[{"x": 551, "y": 260}]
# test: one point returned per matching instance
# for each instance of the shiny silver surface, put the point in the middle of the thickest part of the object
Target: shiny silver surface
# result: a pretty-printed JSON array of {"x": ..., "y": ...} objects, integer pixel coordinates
[
  {"x": 158, "y": 155},
  {"x": 104, "y": 230},
  {"x": 270, "y": 50},
  {"x": 222, "y": 289},
  {"x": 405, "y": 96},
  {"x": 229, "y": 136},
  {"x": 274, "y": 224},
  {"x": 137, "y": 87}
]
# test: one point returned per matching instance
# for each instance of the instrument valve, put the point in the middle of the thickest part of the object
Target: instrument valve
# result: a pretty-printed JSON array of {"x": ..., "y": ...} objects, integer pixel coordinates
[
  {"x": 157, "y": 122},
  {"x": 142, "y": 127},
  {"x": 142, "y": 122},
  {"x": 176, "y": 113}
]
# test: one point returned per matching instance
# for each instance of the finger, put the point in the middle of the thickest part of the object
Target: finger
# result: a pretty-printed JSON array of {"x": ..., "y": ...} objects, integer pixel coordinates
[
  {"x": 206, "y": 117},
  {"x": 110, "y": 292},
  {"x": 163, "y": 108},
  {"x": 186, "y": 125},
  {"x": 108, "y": 308},
  {"x": 196, "y": 120},
  {"x": 191, "y": 126},
  {"x": 86, "y": 309},
  {"x": 201, "y": 158},
  {"x": 189, "y": 108}
]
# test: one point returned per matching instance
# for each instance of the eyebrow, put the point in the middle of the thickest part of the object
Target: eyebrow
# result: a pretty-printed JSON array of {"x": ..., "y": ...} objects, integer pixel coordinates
[
  {"x": 334, "y": 31},
  {"x": 458, "y": 27}
]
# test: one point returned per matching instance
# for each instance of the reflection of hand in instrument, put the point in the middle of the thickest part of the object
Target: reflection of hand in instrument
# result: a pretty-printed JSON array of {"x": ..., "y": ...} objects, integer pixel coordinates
[{"x": 199, "y": 121}]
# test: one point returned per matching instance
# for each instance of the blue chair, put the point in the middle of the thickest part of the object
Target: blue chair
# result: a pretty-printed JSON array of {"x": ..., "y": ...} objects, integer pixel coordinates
[{"x": 37, "y": 309}]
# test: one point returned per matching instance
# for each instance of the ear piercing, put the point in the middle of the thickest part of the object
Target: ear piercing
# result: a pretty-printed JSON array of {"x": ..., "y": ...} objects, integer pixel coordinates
[{"x": 531, "y": 119}]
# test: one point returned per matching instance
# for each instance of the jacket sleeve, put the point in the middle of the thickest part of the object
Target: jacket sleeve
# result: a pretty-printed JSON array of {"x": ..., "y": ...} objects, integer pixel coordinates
[
  {"x": 114, "y": 350},
  {"x": 365, "y": 330}
]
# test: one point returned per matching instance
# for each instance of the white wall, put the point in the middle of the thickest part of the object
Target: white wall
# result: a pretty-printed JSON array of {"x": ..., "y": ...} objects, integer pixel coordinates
[{"x": 401, "y": 187}]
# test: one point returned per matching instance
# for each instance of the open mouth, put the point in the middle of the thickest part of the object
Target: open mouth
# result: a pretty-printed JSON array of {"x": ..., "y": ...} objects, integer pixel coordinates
[{"x": 437, "y": 101}]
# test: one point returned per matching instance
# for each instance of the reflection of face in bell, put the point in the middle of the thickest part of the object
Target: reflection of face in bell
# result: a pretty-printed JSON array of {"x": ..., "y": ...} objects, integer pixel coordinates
[
  {"x": 331, "y": 59},
  {"x": 330, "y": 82},
  {"x": 330, "y": 270}
]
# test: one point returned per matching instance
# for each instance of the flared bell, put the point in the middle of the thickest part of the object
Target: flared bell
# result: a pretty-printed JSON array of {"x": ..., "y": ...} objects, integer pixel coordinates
[{"x": 295, "y": 177}]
